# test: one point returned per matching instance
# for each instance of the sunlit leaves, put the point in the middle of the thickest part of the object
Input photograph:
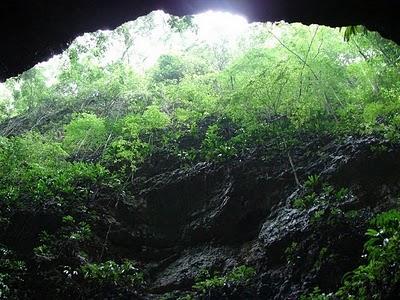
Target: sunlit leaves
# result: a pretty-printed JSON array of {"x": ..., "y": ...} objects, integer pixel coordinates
[
  {"x": 181, "y": 24},
  {"x": 86, "y": 132},
  {"x": 33, "y": 169},
  {"x": 284, "y": 80},
  {"x": 169, "y": 68},
  {"x": 153, "y": 118}
]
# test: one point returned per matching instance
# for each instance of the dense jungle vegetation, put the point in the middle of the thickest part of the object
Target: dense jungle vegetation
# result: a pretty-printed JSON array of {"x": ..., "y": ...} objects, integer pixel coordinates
[{"x": 83, "y": 128}]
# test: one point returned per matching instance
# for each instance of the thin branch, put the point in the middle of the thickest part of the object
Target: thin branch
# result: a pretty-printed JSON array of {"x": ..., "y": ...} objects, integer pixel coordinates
[
  {"x": 294, "y": 53},
  {"x": 105, "y": 242},
  {"x": 305, "y": 62},
  {"x": 296, "y": 178},
  {"x": 328, "y": 105}
]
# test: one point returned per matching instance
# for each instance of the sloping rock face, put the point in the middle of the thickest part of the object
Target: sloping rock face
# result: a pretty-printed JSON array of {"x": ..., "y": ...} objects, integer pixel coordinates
[
  {"x": 214, "y": 217},
  {"x": 209, "y": 203}
]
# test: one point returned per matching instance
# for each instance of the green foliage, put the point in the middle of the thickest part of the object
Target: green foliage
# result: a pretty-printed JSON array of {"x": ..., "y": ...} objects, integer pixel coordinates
[
  {"x": 316, "y": 294},
  {"x": 110, "y": 274},
  {"x": 44, "y": 250},
  {"x": 131, "y": 152},
  {"x": 305, "y": 202},
  {"x": 238, "y": 276},
  {"x": 181, "y": 24},
  {"x": 306, "y": 81},
  {"x": 153, "y": 118},
  {"x": 137, "y": 137},
  {"x": 30, "y": 90},
  {"x": 341, "y": 194},
  {"x": 85, "y": 133},
  {"x": 38, "y": 167},
  {"x": 178, "y": 296},
  {"x": 70, "y": 238},
  {"x": 315, "y": 192},
  {"x": 82, "y": 233},
  {"x": 323, "y": 254},
  {"x": 11, "y": 273},
  {"x": 352, "y": 31},
  {"x": 291, "y": 252},
  {"x": 209, "y": 284},
  {"x": 312, "y": 182},
  {"x": 380, "y": 275},
  {"x": 352, "y": 214},
  {"x": 383, "y": 253},
  {"x": 214, "y": 147},
  {"x": 318, "y": 216},
  {"x": 169, "y": 69},
  {"x": 88, "y": 122}
]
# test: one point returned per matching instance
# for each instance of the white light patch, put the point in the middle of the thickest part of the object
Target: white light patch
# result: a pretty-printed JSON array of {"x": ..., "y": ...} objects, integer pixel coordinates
[
  {"x": 213, "y": 25},
  {"x": 50, "y": 69}
]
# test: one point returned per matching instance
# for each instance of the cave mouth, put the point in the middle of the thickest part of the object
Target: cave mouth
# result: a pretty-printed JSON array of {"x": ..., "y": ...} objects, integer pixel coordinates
[{"x": 203, "y": 157}]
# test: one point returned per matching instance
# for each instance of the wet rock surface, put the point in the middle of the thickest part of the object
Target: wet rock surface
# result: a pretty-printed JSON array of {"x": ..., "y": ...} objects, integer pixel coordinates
[{"x": 241, "y": 212}]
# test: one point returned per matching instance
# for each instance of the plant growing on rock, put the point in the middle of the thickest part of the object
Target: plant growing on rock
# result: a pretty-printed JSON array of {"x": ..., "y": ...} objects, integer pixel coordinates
[
  {"x": 12, "y": 271},
  {"x": 291, "y": 252},
  {"x": 326, "y": 194},
  {"x": 86, "y": 133},
  {"x": 110, "y": 273},
  {"x": 312, "y": 182},
  {"x": 238, "y": 276},
  {"x": 380, "y": 275}
]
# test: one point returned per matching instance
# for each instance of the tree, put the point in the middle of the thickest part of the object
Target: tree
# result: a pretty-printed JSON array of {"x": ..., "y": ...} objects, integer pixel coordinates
[
  {"x": 85, "y": 133},
  {"x": 30, "y": 90},
  {"x": 169, "y": 68}
]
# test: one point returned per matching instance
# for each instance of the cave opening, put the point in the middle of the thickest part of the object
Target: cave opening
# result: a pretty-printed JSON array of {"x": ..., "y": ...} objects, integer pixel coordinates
[{"x": 203, "y": 156}]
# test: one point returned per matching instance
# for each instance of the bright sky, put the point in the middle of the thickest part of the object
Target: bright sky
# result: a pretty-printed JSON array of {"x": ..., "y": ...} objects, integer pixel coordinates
[
  {"x": 214, "y": 24},
  {"x": 212, "y": 27}
]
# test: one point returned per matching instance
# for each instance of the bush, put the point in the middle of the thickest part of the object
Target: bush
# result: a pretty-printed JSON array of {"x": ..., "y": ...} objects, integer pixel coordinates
[
  {"x": 214, "y": 147},
  {"x": 11, "y": 273},
  {"x": 38, "y": 167},
  {"x": 238, "y": 276},
  {"x": 169, "y": 68},
  {"x": 111, "y": 273},
  {"x": 85, "y": 133},
  {"x": 317, "y": 193},
  {"x": 379, "y": 277}
]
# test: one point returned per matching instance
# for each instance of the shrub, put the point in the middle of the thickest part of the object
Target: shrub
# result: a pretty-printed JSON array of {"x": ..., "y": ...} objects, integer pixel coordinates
[
  {"x": 325, "y": 194},
  {"x": 312, "y": 182},
  {"x": 38, "y": 167},
  {"x": 238, "y": 276},
  {"x": 111, "y": 273},
  {"x": 214, "y": 147},
  {"x": 11, "y": 273},
  {"x": 169, "y": 68},
  {"x": 305, "y": 202},
  {"x": 316, "y": 294},
  {"x": 379, "y": 277},
  {"x": 85, "y": 133}
]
